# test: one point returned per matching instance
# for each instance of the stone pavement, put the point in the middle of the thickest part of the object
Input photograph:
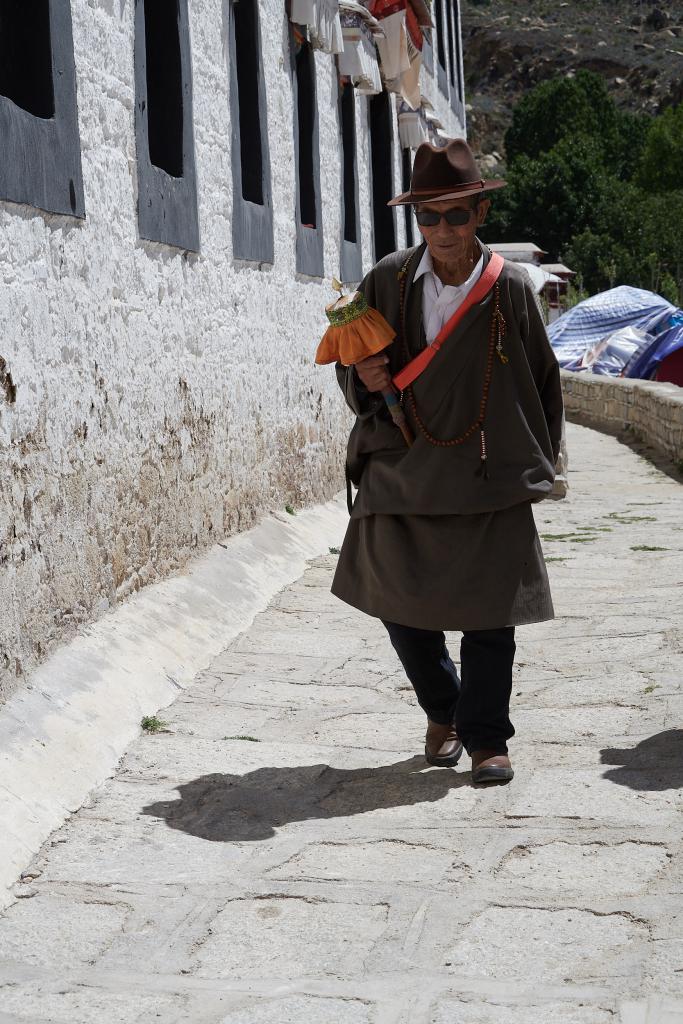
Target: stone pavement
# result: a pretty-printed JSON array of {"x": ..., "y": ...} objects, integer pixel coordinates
[{"x": 282, "y": 854}]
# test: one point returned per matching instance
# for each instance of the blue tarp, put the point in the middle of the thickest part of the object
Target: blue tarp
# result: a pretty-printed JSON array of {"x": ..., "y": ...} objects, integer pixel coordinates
[
  {"x": 646, "y": 364},
  {"x": 611, "y": 330}
]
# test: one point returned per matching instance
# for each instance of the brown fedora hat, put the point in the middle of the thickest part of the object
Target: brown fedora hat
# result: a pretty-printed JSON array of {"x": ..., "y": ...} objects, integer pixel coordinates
[{"x": 445, "y": 172}]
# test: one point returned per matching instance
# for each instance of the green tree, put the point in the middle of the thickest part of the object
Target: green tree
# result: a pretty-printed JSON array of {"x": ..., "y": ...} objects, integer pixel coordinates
[
  {"x": 569, "y": 108},
  {"x": 661, "y": 161},
  {"x": 595, "y": 187},
  {"x": 551, "y": 198}
]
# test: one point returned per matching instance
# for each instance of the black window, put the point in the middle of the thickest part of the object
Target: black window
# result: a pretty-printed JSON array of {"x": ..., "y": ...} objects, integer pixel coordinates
[
  {"x": 458, "y": 51},
  {"x": 167, "y": 183},
  {"x": 248, "y": 60},
  {"x": 252, "y": 218},
  {"x": 450, "y": 5},
  {"x": 305, "y": 109},
  {"x": 40, "y": 157},
  {"x": 440, "y": 46},
  {"x": 382, "y": 174},
  {"x": 309, "y": 237},
  {"x": 406, "y": 171},
  {"x": 26, "y": 56},
  {"x": 455, "y": 57},
  {"x": 351, "y": 256},
  {"x": 164, "y": 85},
  {"x": 348, "y": 131}
]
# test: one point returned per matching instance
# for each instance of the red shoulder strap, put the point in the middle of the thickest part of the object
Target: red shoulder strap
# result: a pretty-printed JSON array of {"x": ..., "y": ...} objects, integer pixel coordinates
[{"x": 416, "y": 366}]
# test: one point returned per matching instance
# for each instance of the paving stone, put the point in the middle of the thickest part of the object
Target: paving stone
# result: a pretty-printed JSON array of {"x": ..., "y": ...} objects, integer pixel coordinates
[
  {"x": 217, "y": 719},
  {"x": 593, "y": 724},
  {"x": 305, "y": 937},
  {"x": 624, "y": 688},
  {"x": 299, "y": 643},
  {"x": 289, "y": 667},
  {"x": 566, "y": 869},
  {"x": 88, "y": 1005},
  {"x": 300, "y": 1009},
  {"x": 583, "y": 794},
  {"x": 652, "y": 1010},
  {"x": 450, "y": 1011},
  {"x": 275, "y": 693},
  {"x": 663, "y": 970},
  {"x": 381, "y": 860},
  {"x": 551, "y": 946},
  {"x": 60, "y": 931},
  {"x": 110, "y": 854},
  {"x": 392, "y": 730}
]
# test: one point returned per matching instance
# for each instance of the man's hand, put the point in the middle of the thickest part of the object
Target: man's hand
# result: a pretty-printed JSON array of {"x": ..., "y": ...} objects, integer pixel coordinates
[{"x": 373, "y": 372}]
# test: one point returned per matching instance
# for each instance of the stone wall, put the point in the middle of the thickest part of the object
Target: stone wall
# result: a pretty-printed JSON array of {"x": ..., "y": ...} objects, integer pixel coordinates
[
  {"x": 153, "y": 400},
  {"x": 652, "y": 412}
]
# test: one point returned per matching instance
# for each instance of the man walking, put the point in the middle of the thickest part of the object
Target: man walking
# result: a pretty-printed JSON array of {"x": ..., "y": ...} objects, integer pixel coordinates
[{"x": 441, "y": 534}]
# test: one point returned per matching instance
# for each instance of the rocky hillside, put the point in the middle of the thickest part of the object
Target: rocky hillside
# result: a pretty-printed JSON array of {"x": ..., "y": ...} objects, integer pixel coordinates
[{"x": 512, "y": 45}]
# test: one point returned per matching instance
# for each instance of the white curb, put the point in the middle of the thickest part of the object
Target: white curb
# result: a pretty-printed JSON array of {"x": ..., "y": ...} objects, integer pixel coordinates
[{"x": 63, "y": 734}]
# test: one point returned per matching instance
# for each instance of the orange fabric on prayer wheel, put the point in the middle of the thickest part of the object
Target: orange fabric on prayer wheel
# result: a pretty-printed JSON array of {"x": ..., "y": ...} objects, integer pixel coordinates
[{"x": 356, "y": 331}]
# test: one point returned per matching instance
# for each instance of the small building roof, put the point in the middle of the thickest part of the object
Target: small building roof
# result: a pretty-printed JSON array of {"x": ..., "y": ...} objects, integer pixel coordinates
[
  {"x": 557, "y": 268},
  {"x": 503, "y": 247},
  {"x": 539, "y": 278}
]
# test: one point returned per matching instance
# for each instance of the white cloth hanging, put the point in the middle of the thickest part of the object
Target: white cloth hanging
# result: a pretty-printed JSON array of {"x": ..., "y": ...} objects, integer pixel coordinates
[
  {"x": 411, "y": 127},
  {"x": 359, "y": 58},
  {"x": 323, "y": 22},
  {"x": 302, "y": 12},
  {"x": 393, "y": 46},
  {"x": 326, "y": 34},
  {"x": 410, "y": 79}
]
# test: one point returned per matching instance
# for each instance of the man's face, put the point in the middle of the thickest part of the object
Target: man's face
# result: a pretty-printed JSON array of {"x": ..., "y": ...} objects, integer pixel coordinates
[{"x": 451, "y": 242}]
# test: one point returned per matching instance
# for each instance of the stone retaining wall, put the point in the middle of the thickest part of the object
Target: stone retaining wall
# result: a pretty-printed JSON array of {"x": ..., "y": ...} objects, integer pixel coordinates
[{"x": 651, "y": 411}]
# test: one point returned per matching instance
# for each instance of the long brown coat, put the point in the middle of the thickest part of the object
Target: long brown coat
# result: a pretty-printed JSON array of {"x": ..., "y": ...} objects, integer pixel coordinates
[{"x": 432, "y": 542}]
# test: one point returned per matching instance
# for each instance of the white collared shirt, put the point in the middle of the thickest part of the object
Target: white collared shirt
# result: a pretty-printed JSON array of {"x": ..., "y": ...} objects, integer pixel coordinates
[{"x": 440, "y": 301}]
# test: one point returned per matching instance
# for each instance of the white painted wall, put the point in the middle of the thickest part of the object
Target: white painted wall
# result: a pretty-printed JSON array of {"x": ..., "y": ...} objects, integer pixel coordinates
[{"x": 163, "y": 401}]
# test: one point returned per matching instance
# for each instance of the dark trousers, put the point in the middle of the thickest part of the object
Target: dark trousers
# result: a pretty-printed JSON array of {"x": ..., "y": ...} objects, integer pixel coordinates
[{"x": 479, "y": 702}]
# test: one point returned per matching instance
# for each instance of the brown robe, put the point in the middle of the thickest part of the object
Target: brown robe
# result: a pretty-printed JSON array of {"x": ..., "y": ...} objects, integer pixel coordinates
[{"x": 432, "y": 542}]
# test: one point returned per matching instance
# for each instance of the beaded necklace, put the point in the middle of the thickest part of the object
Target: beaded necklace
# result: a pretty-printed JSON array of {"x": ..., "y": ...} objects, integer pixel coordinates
[{"x": 495, "y": 345}]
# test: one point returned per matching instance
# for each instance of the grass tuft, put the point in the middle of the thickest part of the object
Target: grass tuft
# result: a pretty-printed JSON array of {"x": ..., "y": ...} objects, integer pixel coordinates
[
  {"x": 150, "y": 723},
  {"x": 575, "y": 538},
  {"x": 625, "y": 517},
  {"x": 647, "y": 547},
  {"x": 249, "y": 739}
]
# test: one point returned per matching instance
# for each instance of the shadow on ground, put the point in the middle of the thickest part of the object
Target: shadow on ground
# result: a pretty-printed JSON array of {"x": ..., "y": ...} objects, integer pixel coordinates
[
  {"x": 231, "y": 808},
  {"x": 656, "y": 763}
]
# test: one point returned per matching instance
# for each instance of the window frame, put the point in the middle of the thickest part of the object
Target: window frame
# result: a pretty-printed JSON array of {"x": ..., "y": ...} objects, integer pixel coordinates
[
  {"x": 43, "y": 167},
  {"x": 351, "y": 253},
  {"x": 383, "y": 97},
  {"x": 167, "y": 206},
  {"x": 252, "y": 223},
  {"x": 428, "y": 52},
  {"x": 441, "y": 35},
  {"x": 406, "y": 174},
  {"x": 309, "y": 241},
  {"x": 457, "y": 94}
]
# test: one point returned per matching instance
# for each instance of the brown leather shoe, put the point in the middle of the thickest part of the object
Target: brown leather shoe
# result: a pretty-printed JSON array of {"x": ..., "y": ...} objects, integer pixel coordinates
[
  {"x": 487, "y": 766},
  {"x": 442, "y": 746}
]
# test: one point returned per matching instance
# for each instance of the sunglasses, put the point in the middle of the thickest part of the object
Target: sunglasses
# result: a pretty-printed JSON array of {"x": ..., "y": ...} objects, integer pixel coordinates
[{"x": 456, "y": 217}]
